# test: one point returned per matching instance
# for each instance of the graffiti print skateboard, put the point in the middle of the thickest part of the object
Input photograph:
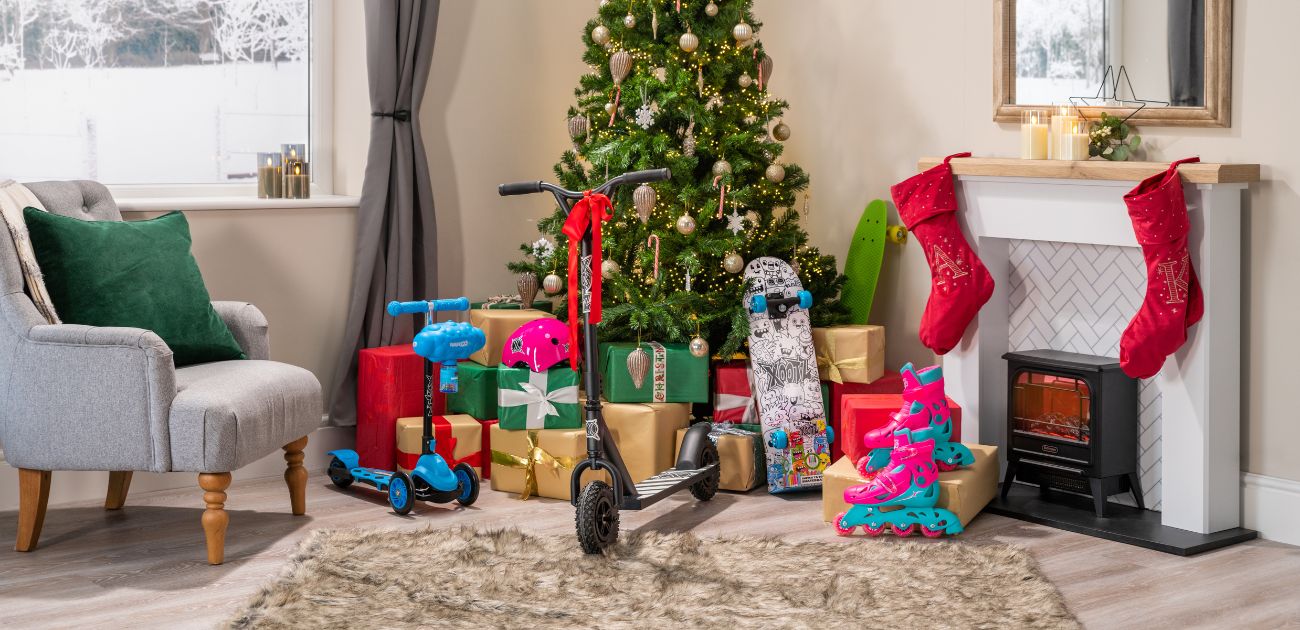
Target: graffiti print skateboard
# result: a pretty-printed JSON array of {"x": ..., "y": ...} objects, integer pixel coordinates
[{"x": 785, "y": 377}]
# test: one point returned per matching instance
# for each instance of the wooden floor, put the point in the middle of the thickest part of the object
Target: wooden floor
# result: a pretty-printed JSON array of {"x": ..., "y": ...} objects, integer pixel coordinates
[{"x": 144, "y": 566}]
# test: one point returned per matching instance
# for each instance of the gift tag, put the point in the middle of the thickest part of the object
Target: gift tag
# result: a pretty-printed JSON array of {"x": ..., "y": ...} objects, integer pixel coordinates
[{"x": 448, "y": 384}]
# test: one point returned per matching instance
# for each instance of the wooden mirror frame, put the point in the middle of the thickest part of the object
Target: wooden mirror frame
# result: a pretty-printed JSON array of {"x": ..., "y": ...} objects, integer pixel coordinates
[{"x": 1217, "y": 111}]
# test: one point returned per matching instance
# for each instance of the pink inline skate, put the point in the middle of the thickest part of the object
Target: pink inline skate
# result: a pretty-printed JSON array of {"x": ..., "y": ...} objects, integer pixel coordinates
[
  {"x": 910, "y": 485},
  {"x": 926, "y": 414}
]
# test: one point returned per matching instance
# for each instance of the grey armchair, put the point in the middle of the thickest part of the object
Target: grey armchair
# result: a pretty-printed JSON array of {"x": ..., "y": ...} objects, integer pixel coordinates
[{"x": 85, "y": 398}]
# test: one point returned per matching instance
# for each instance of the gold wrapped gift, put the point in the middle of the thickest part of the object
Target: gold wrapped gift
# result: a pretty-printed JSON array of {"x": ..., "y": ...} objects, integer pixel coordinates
[
  {"x": 539, "y": 461},
  {"x": 645, "y": 434},
  {"x": 964, "y": 491},
  {"x": 459, "y": 439},
  {"x": 850, "y": 354},
  {"x": 738, "y": 468},
  {"x": 497, "y": 325}
]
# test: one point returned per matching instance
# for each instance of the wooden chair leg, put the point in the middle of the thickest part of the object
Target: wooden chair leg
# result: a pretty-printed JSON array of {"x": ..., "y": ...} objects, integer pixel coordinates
[
  {"x": 215, "y": 518},
  {"x": 33, "y": 495},
  {"x": 295, "y": 476},
  {"x": 119, "y": 482}
]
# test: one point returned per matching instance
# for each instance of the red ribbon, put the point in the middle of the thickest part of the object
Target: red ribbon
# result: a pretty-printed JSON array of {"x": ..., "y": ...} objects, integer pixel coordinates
[
  {"x": 446, "y": 446},
  {"x": 590, "y": 211}
]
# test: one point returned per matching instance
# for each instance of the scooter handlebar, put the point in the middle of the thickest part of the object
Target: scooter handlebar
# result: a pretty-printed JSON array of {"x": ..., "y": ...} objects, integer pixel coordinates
[
  {"x": 647, "y": 176},
  {"x": 411, "y": 308},
  {"x": 519, "y": 188}
]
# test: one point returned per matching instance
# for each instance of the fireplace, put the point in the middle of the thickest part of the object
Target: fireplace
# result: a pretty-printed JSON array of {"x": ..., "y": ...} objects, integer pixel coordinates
[{"x": 1071, "y": 425}]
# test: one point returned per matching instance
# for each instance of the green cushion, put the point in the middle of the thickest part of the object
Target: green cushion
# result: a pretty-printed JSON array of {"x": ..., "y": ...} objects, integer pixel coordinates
[{"x": 135, "y": 274}]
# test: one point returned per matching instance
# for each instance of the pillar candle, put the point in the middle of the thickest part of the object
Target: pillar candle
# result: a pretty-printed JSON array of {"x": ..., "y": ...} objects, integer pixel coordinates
[
  {"x": 270, "y": 176},
  {"x": 297, "y": 181},
  {"x": 1033, "y": 135},
  {"x": 1061, "y": 124}
]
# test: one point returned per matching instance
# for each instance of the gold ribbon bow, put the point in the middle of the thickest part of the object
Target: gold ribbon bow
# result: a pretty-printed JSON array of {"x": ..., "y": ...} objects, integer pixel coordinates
[
  {"x": 830, "y": 370},
  {"x": 528, "y": 463}
]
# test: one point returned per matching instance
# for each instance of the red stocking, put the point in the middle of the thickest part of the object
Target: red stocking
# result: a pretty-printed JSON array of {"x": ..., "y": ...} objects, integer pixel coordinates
[
  {"x": 1173, "y": 301},
  {"x": 959, "y": 283}
]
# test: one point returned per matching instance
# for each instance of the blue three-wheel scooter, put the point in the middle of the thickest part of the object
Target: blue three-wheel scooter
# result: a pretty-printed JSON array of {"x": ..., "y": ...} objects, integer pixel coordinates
[{"x": 432, "y": 479}]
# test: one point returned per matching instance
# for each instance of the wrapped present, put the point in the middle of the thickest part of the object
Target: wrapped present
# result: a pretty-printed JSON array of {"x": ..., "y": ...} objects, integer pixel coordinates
[
  {"x": 733, "y": 394},
  {"x": 459, "y": 439},
  {"x": 512, "y": 302},
  {"x": 964, "y": 491},
  {"x": 645, "y": 434},
  {"x": 497, "y": 325},
  {"x": 890, "y": 383},
  {"x": 860, "y": 413},
  {"x": 478, "y": 391},
  {"x": 675, "y": 375},
  {"x": 538, "y": 462},
  {"x": 537, "y": 400},
  {"x": 390, "y": 385},
  {"x": 850, "y": 354},
  {"x": 487, "y": 447},
  {"x": 742, "y": 461}
]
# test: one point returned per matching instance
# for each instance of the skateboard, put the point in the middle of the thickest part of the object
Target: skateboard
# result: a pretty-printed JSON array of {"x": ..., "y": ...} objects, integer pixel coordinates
[
  {"x": 862, "y": 266},
  {"x": 796, "y": 436}
]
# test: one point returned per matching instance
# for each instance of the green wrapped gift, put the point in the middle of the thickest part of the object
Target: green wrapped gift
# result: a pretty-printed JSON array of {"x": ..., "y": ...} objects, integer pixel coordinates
[
  {"x": 477, "y": 397},
  {"x": 675, "y": 375},
  {"x": 537, "y": 400},
  {"x": 512, "y": 302}
]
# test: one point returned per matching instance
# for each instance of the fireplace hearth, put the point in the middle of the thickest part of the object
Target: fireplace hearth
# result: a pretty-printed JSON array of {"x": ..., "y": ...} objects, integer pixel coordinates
[{"x": 1072, "y": 425}]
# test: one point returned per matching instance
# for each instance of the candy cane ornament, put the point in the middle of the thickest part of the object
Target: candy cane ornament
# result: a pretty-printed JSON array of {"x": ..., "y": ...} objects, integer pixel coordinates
[
  {"x": 722, "y": 194},
  {"x": 654, "y": 238}
]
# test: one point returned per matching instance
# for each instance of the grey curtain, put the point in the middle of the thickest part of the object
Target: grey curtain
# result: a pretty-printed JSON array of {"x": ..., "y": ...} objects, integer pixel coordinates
[
  {"x": 397, "y": 235},
  {"x": 1187, "y": 53}
]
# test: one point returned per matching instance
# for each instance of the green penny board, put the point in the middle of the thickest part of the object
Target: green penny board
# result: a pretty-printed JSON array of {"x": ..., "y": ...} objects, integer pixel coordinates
[{"x": 862, "y": 266}]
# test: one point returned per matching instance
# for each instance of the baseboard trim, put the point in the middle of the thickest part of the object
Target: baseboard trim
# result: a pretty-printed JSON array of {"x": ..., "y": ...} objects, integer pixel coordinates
[{"x": 1271, "y": 506}]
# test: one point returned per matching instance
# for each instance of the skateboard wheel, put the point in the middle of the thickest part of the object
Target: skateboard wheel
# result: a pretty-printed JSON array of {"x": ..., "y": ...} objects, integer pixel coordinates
[
  {"x": 758, "y": 304},
  {"x": 779, "y": 439},
  {"x": 805, "y": 300},
  {"x": 896, "y": 234},
  {"x": 830, "y": 435}
]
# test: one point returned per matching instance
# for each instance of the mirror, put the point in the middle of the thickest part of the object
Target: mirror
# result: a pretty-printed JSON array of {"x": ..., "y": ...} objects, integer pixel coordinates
[{"x": 1165, "y": 62}]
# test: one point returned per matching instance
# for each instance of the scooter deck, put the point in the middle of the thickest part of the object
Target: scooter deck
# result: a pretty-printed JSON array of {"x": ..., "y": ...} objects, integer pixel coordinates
[
  {"x": 664, "y": 484},
  {"x": 373, "y": 476}
]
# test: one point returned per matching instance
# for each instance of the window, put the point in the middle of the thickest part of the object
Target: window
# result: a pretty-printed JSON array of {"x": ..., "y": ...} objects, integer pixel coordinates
[
  {"x": 151, "y": 91},
  {"x": 1060, "y": 49}
]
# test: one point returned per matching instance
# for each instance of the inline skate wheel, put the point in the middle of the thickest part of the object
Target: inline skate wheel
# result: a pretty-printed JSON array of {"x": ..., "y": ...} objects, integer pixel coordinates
[
  {"x": 873, "y": 531},
  {"x": 903, "y": 532},
  {"x": 931, "y": 533},
  {"x": 839, "y": 525},
  {"x": 946, "y": 467},
  {"x": 863, "y": 471}
]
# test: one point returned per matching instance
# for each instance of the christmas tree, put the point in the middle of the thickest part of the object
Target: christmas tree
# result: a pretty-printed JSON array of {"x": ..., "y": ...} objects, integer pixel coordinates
[{"x": 683, "y": 84}]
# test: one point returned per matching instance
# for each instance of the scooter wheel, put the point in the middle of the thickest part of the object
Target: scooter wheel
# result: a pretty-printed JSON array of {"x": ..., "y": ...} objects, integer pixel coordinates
[
  {"x": 704, "y": 489},
  {"x": 401, "y": 493},
  {"x": 339, "y": 473},
  {"x": 597, "y": 517},
  {"x": 468, "y": 478}
]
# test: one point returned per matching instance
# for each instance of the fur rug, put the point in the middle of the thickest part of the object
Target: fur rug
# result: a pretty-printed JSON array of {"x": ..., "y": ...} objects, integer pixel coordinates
[{"x": 467, "y": 578}]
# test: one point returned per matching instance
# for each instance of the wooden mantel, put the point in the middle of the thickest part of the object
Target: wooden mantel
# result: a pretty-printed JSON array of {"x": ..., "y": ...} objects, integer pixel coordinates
[{"x": 1196, "y": 173}]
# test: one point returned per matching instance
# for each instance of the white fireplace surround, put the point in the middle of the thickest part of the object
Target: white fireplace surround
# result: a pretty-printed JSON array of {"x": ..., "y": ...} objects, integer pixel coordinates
[{"x": 1200, "y": 384}]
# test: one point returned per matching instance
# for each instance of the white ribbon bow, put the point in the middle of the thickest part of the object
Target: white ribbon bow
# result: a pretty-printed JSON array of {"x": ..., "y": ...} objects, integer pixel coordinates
[{"x": 540, "y": 402}]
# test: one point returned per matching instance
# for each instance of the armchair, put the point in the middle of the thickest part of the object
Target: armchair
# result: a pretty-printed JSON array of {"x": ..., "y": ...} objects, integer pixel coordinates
[{"x": 90, "y": 398}]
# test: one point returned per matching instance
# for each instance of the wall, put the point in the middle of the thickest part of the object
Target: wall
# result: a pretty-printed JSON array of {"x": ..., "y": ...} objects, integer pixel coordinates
[{"x": 890, "y": 82}]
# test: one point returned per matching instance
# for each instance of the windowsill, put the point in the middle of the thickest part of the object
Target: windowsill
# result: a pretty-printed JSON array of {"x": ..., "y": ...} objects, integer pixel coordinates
[{"x": 229, "y": 202}]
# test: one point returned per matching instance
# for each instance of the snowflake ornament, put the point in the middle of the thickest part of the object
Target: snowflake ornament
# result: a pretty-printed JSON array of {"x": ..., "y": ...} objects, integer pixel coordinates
[
  {"x": 645, "y": 116},
  {"x": 543, "y": 248},
  {"x": 735, "y": 222}
]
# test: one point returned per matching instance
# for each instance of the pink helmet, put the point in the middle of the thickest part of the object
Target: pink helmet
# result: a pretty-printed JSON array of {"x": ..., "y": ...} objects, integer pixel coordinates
[{"x": 539, "y": 344}]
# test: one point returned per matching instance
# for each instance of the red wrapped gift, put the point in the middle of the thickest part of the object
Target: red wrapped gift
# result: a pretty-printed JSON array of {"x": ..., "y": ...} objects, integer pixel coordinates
[
  {"x": 733, "y": 394},
  {"x": 390, "y": 385},
  {"x": 487, "y": 447},
  {"x": 861, "y": 413},
  {"x": 890, "y": 383}
]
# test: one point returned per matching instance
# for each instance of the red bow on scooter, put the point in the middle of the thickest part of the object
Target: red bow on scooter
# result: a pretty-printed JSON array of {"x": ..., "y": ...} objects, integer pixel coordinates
[{"x": 590, "y": 211}]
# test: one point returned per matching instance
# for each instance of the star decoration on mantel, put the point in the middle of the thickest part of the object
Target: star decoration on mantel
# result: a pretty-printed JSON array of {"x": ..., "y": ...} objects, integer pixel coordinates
[{"x": 735, "y": 222}]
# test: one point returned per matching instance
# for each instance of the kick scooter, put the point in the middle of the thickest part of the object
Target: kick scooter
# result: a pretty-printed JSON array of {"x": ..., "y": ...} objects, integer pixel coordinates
[
  {"x": 598, "y": 503},
  {"x": 432, "y": 479}
]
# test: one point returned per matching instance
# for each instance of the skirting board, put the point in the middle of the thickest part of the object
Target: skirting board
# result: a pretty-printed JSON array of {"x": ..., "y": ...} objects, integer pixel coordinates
[
  {"x": 1271, "y": 506},
  {"x": 81, "y": 486}
]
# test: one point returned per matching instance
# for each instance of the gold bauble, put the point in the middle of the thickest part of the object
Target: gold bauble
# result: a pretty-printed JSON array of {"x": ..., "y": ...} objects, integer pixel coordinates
[
  {"x": 775, "y": 173},
  {"x": 781, "y": 132},
  {"x": 699, "y": 347},
  {"x": 527, "y": 285},
  {"x": 745, "y": 80},
  {"x": 620, "y": 63},
  {"x": 578, "y": 126},
  {"x": 721, "y": 167},
  {"x": 711, "y": 9},
  {"x": 629, "y": 20},
  {"x": 733, "y": 263},
  {"x": 609, "y": 107},
  {"x": 638, "y": 365},
  {"x": 689, "y": 42},
  {"x": 609, "y": 269},
  {"x": 600, "y": 34},
  {"x": 742, "y": 32},
  {"x": 552, "y": 284},
  {"x": 686, "y": 224}
]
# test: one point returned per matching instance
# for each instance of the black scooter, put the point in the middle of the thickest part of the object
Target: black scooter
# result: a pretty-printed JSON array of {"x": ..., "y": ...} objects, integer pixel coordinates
[{"x": 598, "y": 503}]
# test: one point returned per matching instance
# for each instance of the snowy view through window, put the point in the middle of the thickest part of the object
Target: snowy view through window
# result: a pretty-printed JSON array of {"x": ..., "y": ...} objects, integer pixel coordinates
[
  {"x": 1060, "y": 49},
  {"x": 150, "y": 91}
]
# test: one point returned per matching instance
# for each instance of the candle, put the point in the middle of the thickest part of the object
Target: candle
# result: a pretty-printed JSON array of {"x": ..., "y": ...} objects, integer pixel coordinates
[
  {"x": 270, "y": 176},
  {"x": 297, "y": 181},
  {"x": 291, "y": 153},
  {"x": 1033, "y": 135},
  {"x": 1061, "y": 124},
  {"x": 1074, "y": 141}
]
